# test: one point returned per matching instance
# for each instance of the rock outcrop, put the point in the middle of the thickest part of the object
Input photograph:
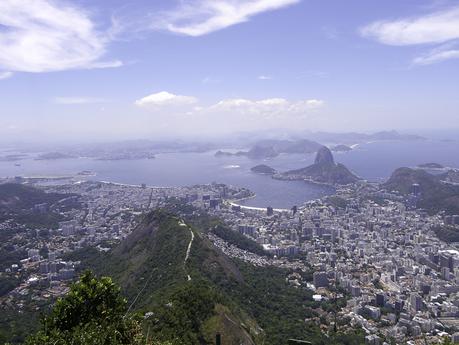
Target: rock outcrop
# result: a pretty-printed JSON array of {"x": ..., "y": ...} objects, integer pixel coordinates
[{"x": 324, "y": 170}]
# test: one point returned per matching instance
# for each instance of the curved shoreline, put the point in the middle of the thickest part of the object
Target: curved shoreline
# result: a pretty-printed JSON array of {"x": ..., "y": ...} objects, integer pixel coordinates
[{"x": 253, "y": 208}]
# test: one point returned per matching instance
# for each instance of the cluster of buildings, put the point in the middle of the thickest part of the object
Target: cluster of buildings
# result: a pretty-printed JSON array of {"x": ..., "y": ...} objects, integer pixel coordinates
[
  {"x": 366, "y": 244},
  {"x": 401, "y": 281},
  {"x": 99, "y": 215}
]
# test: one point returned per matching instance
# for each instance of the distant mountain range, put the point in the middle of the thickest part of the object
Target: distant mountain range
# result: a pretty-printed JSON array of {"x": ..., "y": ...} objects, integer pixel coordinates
[
  {"x": 271, "y": 148},
  {"x": 353, "y": 137},
  {"x": 261, "y": 144}
]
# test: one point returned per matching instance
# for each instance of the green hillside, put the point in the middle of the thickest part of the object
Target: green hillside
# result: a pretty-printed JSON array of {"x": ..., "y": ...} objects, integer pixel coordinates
[
  {"x": 17, "y": 202},
  {"x": 189, "y": 301},
  {"x": 435, "y": 195},
  {"x": 151, "y": 269},
  {"x": 15, "y": 196}
]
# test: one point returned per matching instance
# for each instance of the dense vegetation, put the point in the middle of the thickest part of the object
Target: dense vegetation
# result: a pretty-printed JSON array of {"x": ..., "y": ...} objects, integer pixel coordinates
[
  {"x": 336, "y": 201},
  {"x": 435, "y": 195},
  {"x": 7, "y": 283},
  {"x": 16, "y": 325},
  {"x": 246, "y": 304},
  {"x": 238, "y": 239},
  {"x": 175, "y": 300},
  {"x": 447, "y": 233},
  {"x": 15, "y": 196},
  {"x": 92, "y": 313},
  {"x": 17, "y": 203}
]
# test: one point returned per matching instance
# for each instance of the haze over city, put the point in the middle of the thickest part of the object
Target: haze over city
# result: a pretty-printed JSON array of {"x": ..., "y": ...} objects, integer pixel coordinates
[
  {"x": 115, "y": 70},
  {"x": 229, "y": 172}
]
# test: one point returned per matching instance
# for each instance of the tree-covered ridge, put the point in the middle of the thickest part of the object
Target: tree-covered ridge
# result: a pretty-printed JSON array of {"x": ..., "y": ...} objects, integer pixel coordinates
[
  {"x": 17, "y": 202},
  {"x": 245, "y": 304},
  {"x": 14, "y": 196},
  {"x": 434, "y": 194}
]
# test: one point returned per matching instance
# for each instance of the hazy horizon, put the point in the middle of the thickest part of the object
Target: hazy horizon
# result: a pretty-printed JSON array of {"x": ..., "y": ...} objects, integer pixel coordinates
[
  {"x": 233, "y": 140},
  {"x": 93, "y": 71}
]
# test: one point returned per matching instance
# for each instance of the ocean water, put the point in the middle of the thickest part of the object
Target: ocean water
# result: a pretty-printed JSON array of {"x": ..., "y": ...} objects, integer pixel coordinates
[
  {"x": 376, "y": 161},
  {"x": 373, "y": 161}
]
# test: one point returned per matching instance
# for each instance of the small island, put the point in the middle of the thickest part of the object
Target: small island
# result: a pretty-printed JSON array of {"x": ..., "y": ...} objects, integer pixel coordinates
[{"x": 263, "y": 169}]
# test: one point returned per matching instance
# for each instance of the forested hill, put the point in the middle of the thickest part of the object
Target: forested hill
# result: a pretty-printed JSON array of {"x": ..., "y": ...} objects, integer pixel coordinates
[
  {"x": 15, "y": 197},
  {"x": 192, "y": 298},
  {"x": 435, "y": 195}
]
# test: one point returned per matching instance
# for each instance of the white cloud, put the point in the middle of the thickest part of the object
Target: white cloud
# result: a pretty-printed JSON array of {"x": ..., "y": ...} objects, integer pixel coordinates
[
  {"x": 236, "y": 109},
  {"x": 271, "y": 107},
  {"x": 78, "y": 100},
  {"x": 5, "y": 75},
  {"x": 438, "y": 27},
  {"x": 182, "y": 114},
  {"x": 201, "y": 17},
  {"x": 437, "y": 55},
  {"x": 45, "y": 36},
  {"x": 165, "y": 99},
  {"x": 264, "y": 77},
  {"x": 314, "y": 103}
]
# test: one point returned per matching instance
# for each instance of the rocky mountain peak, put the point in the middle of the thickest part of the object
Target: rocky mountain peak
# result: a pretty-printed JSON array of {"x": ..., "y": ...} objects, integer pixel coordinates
[{"x": 324, "y": 157}]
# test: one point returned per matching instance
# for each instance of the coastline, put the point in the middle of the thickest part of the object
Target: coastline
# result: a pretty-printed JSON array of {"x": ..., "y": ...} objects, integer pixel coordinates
[
  {"x": 307, "y": 180},
  {"x": 261, "y": 209}
]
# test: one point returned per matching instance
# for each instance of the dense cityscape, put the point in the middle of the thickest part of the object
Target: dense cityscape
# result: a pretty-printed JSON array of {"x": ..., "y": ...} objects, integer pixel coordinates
[
  {"x": 400, "y": 281},
  {"x": 229, "y": 172}
]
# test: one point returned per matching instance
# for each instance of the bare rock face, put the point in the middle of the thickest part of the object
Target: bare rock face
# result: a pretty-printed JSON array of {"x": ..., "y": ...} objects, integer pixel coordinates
[{"x": 324, "y": 157}]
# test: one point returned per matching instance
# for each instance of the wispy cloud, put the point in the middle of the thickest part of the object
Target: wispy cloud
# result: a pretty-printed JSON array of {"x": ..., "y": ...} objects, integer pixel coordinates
[
  {"x": 264, "y": 77},
  {"x": 436, "y": 55},
  {"x": 78, "y": 100},
  {"x": 201, "y": 17},
  {"x": 438, "y": 27},
  {"x": 330, "y": 32},
  {"x": 270, "y": 107},
  {"x": 5, "y": 75},
  {"x": 210, "y": 80},
  {"x": 315, "y": 74},
  {"x": 42, "y": 36}
]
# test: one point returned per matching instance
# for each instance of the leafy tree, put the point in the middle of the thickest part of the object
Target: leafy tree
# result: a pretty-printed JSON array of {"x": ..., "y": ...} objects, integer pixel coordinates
[
  {"x": 446, "y": 341},
  {"x": 92, "y": 313}
]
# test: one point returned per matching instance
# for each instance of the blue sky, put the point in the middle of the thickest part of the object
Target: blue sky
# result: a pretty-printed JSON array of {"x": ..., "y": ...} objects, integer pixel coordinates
[{"x": 135, "y": 69}]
